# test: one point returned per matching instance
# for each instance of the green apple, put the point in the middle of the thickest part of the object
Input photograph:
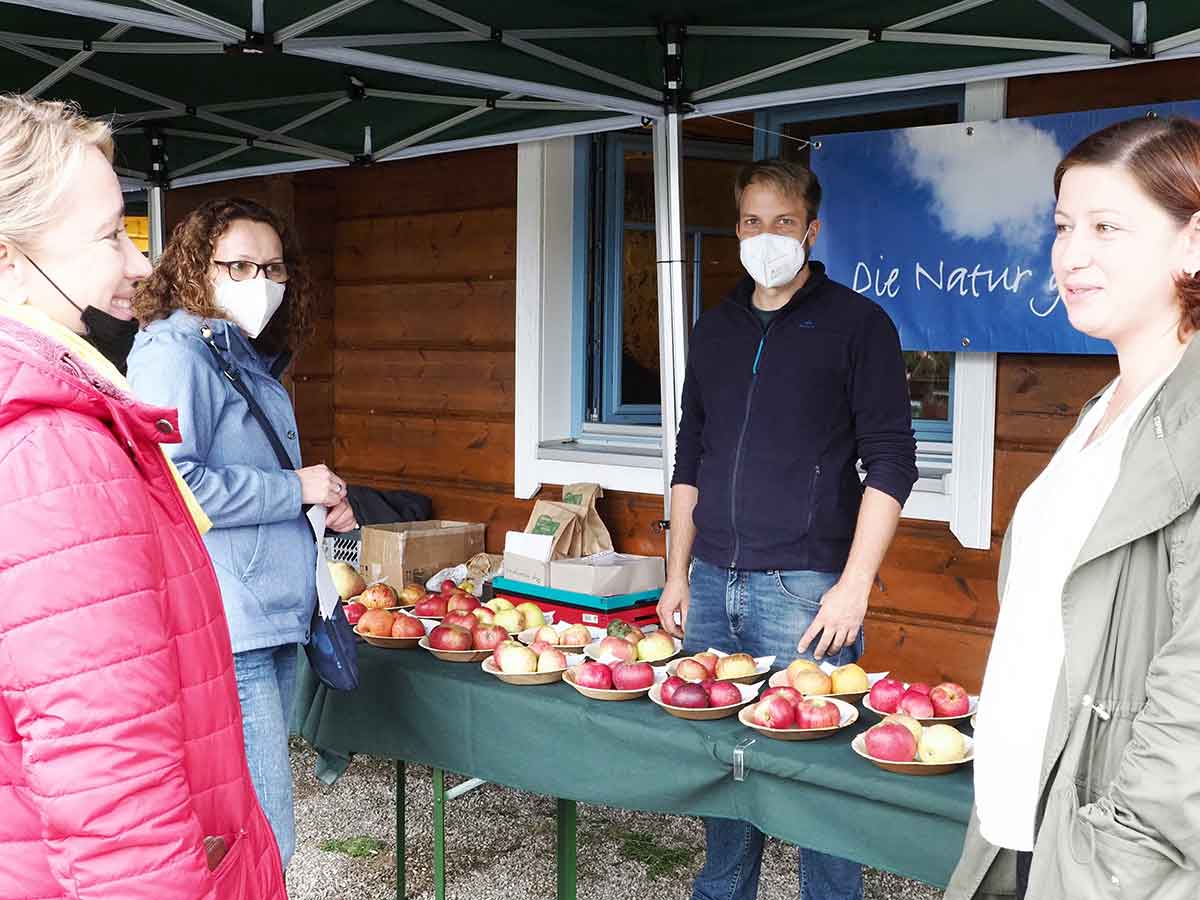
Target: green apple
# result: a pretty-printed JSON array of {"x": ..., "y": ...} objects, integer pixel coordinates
[
  {"x": 498, "y": 603},
  {"x": 511, "y": 620},
  {"x": 516, "y": 659},
  {"x": 654, "y": 646},
  {"x": 534, "y": 617}
]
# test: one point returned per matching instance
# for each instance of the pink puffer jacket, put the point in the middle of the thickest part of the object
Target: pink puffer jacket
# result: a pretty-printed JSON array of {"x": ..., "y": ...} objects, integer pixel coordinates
[{"x": 120, "y": 729}]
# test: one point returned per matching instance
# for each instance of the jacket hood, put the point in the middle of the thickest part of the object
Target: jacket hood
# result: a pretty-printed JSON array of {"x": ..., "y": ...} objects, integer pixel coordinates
[{"x": 38, "y": 372}]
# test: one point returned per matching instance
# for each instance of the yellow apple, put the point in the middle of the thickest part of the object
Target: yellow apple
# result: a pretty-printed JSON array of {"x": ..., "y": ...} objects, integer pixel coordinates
[
  {"x": 498, "y": 603},
  {"x": 812, "y": 683},
  {"x": 346, "y": 579},
  {"x": 941, "y": 744},
  {"x": 850, "y": 679},
  {"x": 534, "y": 617},
  {"x": 511, "y": 620},
  {"x": 736, "y": 665}
]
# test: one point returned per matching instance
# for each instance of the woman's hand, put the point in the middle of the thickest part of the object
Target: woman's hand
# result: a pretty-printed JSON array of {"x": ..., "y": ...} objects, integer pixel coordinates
[
  {"x": 320, "y": 486},
  {"x": 340, "y": 518}
]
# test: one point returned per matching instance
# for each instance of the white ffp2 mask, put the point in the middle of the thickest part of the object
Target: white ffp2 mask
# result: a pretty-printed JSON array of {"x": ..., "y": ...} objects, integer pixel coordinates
[
  {"x": 772, "y": 259},
  {"x": 250, "y": 304}
]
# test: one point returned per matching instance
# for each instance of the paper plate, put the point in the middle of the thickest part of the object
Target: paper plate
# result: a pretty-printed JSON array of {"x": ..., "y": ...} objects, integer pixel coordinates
[
  {"x": 458, "y": 656},
  {"x": 592, "y": 651},
  {"x": 601, "y": 693},
  {"x": 859, "y": 745},
  {"x": 780, "y": 679},
  {"x": 523, "y": 679},
  {"x": 389, "y": 643},
  {"x": 849, "y": 717},
  {"x": 758, "y": 675},
  {"x": 933, "y": 720},
  {"x": 703, "y": 715},
  {"x": 526, "y": 636}
]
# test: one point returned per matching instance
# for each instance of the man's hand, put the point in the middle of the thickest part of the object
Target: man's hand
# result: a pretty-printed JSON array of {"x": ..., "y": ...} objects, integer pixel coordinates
[
  {"x": 340, "y": 518},
  {"x": 675, "y": 596},
  {"x": 839, "y": 620}
]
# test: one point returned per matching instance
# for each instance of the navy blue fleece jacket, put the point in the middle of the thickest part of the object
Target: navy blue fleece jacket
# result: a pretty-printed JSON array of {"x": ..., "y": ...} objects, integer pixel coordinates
[{"x": 775, "y": 419}]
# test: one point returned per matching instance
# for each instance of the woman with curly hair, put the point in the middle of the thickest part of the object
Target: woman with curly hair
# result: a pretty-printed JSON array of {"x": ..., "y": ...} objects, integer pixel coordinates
[{"x": 230, "y": 299}]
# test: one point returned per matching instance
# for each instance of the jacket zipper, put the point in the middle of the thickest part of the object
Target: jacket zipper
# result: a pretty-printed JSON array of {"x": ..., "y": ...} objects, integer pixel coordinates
[{"x": 737, "y": 456}]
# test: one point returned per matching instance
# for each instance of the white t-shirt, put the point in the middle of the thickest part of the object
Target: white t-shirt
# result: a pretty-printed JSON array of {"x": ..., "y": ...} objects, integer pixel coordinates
[{"x": 1052, "y": 521}]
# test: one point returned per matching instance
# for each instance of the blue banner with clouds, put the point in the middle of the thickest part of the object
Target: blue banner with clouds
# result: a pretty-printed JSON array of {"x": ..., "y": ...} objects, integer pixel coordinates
[{"x": 949, "y": 227}]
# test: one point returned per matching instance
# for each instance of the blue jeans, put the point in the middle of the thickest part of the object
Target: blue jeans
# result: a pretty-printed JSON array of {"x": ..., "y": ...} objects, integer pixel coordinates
[
  {"x": 266, "y": 681},
  {"x": 763, "y": 614}
]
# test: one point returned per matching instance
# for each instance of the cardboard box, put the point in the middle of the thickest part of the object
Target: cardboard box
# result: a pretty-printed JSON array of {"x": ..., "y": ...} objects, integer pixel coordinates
[
  {"x": 413, "y": 552},
  {"x": 608, "y": 574},
  {"x": 527, "y": 557}
]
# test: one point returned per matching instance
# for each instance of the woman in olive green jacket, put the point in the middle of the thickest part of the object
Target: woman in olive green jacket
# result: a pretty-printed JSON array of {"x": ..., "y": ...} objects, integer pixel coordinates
[{"x": 1110, "y": 807}]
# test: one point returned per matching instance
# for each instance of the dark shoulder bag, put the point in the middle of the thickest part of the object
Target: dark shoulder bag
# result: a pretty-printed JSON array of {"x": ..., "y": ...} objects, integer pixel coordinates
[{"x": 331, "y": 648}]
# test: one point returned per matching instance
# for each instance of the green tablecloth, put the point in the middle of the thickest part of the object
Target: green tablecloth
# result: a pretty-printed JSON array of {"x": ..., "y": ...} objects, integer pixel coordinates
[{"x": 551, "y": 740}]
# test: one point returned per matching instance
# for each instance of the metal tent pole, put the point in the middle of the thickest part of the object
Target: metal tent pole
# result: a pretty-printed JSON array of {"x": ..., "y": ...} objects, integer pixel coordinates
[{"x": 155, "y": 200}]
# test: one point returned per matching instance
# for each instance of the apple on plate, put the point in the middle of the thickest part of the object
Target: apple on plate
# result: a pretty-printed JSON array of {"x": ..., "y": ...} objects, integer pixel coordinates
[
  {"x": 774, "y": 712},
  {"x": 801, "y": 665},
  {"x": 920, "y": 687},
  {"x": 484, "y": 615},
  {"x": 450, "y": 637},
  {"x": 551, "y": 660},
  {"x": 632, "y": 676},
  {"x": 412, "y": 593},
  {"x": 488, "y": 637},
  {"x": 850, "y": 679},
  {"x": 516, "y": 659},
  {"x": 908, "y": 722},
  {"x": 886, "y": 694},
  {"x": 916, "y": 704},
  {"x": 941, "y": 744},
  {"x": 378, "y": 596},
  {"x": 540, "y": 647},
  {"x": 499, "y": 647},
  {"x": 464, "y": 602},
  {"x": 511, "y": 620},
  {"x": 354, "y": 612},
  {"x": 817, "y": 712},
  {"x": 575, "y": 636},
  {"x": 949, "y": 699},
  {"x": 672, "y": 684},
  {"x": 892, "y": 742},
  {"x": 461, "y": 619},
  {"x": 634, "y": 635},
  {"x": 690, "y": 669},
  {"x": 708, "y": 660},
  {"x": 498, "y": 603},
  {"x": 654, "y": 646},
  {"x": 404, "y": 626},
  {"x": 534, "y": 617},
  {"x": 724, "y": 693},
  {"x": 346, "y": 579},
  {"x": 431, "y": 608},
  {"x": 736, "y": 665},
  {"x": 376, "y": 622},
  {"x": 812, "y": 682},
  {"x": 594, "y": 675},
  {"x": 618, "y": 647},
  {"x": 689, "y": 696},
  {"x": 546, "y": 634},
  {"x": 789, "y": 693},
  {"x": 447, "y": 587}
]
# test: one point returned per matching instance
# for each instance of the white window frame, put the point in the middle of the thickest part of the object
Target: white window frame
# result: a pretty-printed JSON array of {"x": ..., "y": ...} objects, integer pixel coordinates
[{"x": 956, "y": 479}]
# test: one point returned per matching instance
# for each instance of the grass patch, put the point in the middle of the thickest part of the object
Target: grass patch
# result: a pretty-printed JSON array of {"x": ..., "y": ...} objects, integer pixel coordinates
[
  {"x": 355, "y": 847},
  {"x": 658, "y": 859}
]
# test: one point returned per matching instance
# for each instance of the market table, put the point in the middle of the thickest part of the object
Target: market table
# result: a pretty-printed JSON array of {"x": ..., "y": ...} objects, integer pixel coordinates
[{"x": 550, "y": 740}]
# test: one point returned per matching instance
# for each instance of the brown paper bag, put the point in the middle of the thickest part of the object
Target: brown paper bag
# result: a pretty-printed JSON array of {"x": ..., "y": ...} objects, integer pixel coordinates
[
  {"x": 563, "y": 522},
  {"x": 595, "y": 536}
]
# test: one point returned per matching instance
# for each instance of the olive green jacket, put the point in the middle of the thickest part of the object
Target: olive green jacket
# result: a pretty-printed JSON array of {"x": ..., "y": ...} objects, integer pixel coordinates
[{"x": 1119, "y": 808}]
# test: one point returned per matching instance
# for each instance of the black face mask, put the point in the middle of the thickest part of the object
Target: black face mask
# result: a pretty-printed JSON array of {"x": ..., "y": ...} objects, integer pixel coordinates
[{"x": 113, "y": 337}]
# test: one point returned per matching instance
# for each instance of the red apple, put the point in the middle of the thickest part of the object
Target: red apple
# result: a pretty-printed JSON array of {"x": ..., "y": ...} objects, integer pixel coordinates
[
  {"x": 379, "y": 596},
  {"x": 432, "y": 608},
  {"x": 892, "y": 742},
  {"x": 594, "y": 675},
  {"x": 461, "y": 619},
  {"x": 464, "y": 602},
  {"x": 540, "y": 647},
  {"x": 488, "y": 637},
  {"x": 692, "y": 670},
  {"x": 691, "y": 696},
  {"x": 708, "y": 660},
  {"x": 376, "y": 622},
  {"x": 775, "y": 712},
  {"x": 450, "y": 637},
  {"x": 618, "y": 647},
  {"x": 788, "y": 693},
  {"x": 920, "y": 687},
  {"x": 447, "y": 587},
  {"x": 629, "y": 676},
  {"x": 724, "y": 693},
  {"x": 354, "y": 612},
  {"x": 916, "y": 704},
  {"x": 949, "y": 699},
  {"x": 886, "y": 694},
  {"x": 669, "y": 687},
  {"x": 815, "y": 712},
  {"x": 407, "y": 627}
]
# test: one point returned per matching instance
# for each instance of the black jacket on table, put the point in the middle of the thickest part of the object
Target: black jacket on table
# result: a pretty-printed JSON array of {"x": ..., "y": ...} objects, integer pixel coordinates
[{"x": 774, "y": 420}]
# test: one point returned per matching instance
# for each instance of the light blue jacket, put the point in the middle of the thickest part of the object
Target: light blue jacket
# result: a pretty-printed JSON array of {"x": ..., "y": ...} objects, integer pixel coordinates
[{"x": 260, "y": 543}]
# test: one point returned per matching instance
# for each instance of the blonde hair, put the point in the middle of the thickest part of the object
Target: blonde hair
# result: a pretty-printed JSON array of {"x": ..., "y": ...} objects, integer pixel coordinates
[{"x": 41, "y": 144}]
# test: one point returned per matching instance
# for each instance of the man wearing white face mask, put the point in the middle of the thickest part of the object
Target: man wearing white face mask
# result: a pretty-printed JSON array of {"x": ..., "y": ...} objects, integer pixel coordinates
[
  {"x": 775, "y": 541},
  {"x": 232, "y": 294}
]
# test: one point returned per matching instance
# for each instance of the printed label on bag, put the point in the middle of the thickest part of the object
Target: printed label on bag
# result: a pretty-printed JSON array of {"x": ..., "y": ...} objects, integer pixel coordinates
[
  {"x": 545, "y": 525},
  {"x": 577, "y": 499}
]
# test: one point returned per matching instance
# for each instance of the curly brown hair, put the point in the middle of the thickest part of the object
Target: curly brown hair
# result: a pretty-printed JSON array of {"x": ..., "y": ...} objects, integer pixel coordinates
[{"x": 181, "y": 278}]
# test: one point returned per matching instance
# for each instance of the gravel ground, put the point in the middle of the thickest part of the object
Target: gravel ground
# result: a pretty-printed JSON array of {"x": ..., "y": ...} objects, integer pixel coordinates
[{"x": 500, "y": 845}]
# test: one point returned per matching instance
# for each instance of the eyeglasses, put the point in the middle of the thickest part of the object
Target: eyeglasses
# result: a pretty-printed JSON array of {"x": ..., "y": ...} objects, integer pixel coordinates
[{"x": 244, "y": 270}]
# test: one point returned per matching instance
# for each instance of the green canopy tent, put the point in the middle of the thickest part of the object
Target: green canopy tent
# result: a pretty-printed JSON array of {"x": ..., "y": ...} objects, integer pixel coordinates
[{"x": 220, "y": 89}]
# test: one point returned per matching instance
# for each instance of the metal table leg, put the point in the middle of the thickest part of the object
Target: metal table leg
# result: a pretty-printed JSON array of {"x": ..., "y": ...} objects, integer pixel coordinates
[
  {"x": 400, "y": 836},
  {"x": 566, "y": 850},
  {"x": 439, "y": 834}
]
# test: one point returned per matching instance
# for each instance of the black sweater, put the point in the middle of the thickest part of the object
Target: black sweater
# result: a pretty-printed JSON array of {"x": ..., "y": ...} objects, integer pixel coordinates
[{"x": 774, "y": 420}]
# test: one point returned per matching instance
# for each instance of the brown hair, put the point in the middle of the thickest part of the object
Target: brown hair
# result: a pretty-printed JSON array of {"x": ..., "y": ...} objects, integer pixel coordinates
[
  {"x": 789, "y": 178},
  {"x": 1163, "y": 157},
  {"x": 180, "y": 279}
]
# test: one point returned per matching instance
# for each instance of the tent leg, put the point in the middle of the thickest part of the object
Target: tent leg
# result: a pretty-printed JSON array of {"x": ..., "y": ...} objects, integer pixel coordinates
[
  {"x": 401, "y": 841},
  {"x": 155, "y": 200},
  {"x": 439, "y": 834},
  {"x": 566, "y": 850}
]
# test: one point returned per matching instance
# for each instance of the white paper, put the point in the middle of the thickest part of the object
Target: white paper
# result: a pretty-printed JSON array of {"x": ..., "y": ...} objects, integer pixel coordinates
[
  {"x": 531, "y": 546},
  {"x": 327, "y": 594}
]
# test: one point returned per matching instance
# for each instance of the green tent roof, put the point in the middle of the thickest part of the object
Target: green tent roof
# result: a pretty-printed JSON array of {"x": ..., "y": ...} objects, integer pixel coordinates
[{"x": 230, "y": 87}]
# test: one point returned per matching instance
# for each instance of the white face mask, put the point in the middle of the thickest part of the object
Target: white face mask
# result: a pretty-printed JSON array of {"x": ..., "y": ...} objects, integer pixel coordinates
[
  {"x": 773, "y": 259},
  {"x": 250, "y": 304}
]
